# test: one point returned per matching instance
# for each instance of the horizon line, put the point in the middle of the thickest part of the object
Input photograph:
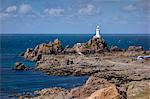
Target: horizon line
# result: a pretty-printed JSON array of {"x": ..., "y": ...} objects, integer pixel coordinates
[{"x": 73, "y": 33}]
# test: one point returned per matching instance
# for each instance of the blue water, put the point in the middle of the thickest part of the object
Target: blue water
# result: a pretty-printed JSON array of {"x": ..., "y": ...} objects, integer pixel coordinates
[{"x": 19, "y": 81}]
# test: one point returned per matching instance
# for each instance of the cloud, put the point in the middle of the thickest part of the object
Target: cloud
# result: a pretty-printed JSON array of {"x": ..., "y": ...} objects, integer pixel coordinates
[
  {"x": 8, "y": 12},
  {"x": 25, "y": 9},
  {"x": 54, "y": 11},
  {"x": 88, "y": 10},
  {"x": 17, "y": 11},
  {"x": 2, "y": 15},
  {"x": 11, "y": 9},
  {"x": 139, "y": 6},
  {"x": 143, "y": 6},
  {"x": 130, "y": 8}
]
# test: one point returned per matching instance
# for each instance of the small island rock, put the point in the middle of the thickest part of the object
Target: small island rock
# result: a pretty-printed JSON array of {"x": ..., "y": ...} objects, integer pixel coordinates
[{"x": 20, "y": 66}]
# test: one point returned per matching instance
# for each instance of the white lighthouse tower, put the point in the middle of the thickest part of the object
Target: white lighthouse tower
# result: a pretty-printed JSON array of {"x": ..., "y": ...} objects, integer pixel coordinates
[{"x": 97, "y": 32}]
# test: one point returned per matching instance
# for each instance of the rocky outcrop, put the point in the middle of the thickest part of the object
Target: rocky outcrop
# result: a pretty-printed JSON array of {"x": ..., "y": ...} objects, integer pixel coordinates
[
  {"x": 94, "y": 45},
  {"x": 20, "y": 66},
  {"x": 109, "y": 71},
  {"x": 117, "y": 68},
  {"x": 115, "y": 49},
  {"x": 138, "y": 90},
  {"x": 94, "y": 88},
  {"x": 134, "y": 51},
  {"x": 109, "y": 74},
  {"x": 92, "y": 84},
  {"x": 106, "y": 93},
  {"x": 135, "y": 48},
  {"x": 65, "y": 65},
  {"x": 35, "y": 54},
  {"x": 69, "y": 51},
  {"x": 50, "y": 48},
  {"x": 30, "y": 54},
  {"x": 51, "y": 93}
]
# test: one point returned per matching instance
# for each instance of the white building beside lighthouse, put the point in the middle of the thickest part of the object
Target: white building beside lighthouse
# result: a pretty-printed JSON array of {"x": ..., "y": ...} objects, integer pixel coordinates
[{"x": 97, "y": 32}]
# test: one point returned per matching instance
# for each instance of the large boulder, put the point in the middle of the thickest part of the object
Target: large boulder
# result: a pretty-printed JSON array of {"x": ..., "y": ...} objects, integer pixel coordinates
[
  {"x": 96, "y": 88},
  {"x": 106, "y": 93}
]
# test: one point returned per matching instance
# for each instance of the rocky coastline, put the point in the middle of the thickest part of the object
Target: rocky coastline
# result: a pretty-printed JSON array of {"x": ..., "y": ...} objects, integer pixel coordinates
[{"x": 114, "y": 73}]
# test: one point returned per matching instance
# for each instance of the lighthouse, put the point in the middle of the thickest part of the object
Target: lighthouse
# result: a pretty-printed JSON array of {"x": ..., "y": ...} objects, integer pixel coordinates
[{"x": 97, "y": 32}]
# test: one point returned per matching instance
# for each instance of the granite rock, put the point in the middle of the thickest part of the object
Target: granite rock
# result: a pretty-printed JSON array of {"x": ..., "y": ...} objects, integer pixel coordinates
[{"x": 35, "y": 54}]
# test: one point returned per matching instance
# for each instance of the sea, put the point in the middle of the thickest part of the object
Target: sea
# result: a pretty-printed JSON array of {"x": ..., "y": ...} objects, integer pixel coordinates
[{"x": 17, "y": 82}]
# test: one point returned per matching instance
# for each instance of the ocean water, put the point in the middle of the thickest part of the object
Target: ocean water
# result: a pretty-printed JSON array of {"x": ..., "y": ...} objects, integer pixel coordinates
[{"x": 20, "y": 81}]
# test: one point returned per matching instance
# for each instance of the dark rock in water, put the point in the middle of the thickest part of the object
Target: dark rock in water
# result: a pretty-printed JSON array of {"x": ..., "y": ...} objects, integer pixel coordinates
[
  {"x": 16, "y": 95},
  {"x": 25, "y": 95},
  {"x": 115, "y": 48},
  {"x": 18, "y": 63},
  {"x": 135, "y": 48},
  {"x": 20, "y": 66},
  {"x": 22, "y": 54}
]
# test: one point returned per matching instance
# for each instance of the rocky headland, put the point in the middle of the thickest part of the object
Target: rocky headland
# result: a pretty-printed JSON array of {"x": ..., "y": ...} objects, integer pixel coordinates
[{"x": 114, "y": 73}]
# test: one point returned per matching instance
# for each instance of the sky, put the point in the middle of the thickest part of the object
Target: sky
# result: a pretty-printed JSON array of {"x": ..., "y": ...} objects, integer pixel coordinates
[{"x": 74, "y": 16}]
